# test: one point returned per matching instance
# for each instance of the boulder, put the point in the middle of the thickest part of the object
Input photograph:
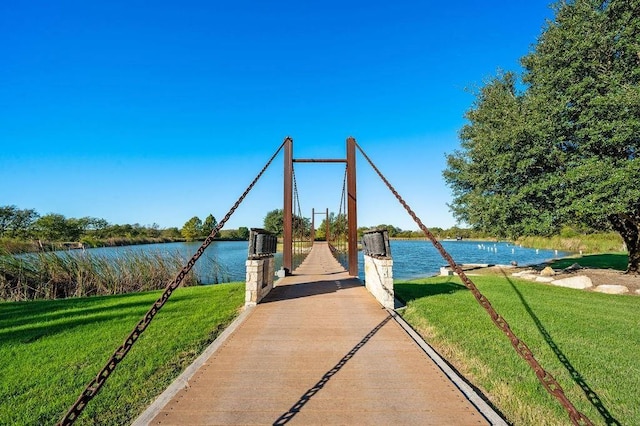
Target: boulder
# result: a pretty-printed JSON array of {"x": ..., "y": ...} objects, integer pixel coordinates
[
  {"x": 612, "y": 289},
  {"x": 579, "y": 282},
  {"x": 547, "y": 272},
  {"x": 573, "y": 267},
  {"x": 544, "y": 279}
]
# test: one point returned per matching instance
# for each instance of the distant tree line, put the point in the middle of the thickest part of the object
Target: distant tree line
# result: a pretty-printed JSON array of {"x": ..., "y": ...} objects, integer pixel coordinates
[
  {"x": 27, "y": 225},
  {"x": 196, "y": 229},
  {"x": 440, "y": 233},
  {"x": 273, "y": 222}
]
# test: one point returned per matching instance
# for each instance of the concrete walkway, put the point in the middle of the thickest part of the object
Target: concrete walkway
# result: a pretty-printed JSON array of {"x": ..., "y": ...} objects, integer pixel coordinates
[{"x": 318, "y": 350}]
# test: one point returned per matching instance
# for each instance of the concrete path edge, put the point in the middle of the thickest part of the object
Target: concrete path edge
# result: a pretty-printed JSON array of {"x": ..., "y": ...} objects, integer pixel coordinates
[
  {"x": 485, "y": 409},
  {"x": 183, "y": 379}
]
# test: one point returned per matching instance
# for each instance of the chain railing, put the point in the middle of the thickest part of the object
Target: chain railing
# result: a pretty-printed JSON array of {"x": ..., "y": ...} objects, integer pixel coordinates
[
  {"x": 301, "y": 237},
  {"x": 339, "y": 228},
  {"x": 548, "y": 381},
  {"x": 94, "y": 386}
]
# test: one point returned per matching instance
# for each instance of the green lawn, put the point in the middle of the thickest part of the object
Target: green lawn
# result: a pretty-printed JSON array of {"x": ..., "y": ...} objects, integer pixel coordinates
[
  {"x": 50, "y": 350},
  {"x": 617, "y": 261},
  {"x": 588, "y": 341}
]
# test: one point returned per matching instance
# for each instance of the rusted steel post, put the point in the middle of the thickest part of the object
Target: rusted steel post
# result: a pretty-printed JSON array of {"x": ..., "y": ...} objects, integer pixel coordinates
[
  {"x": 287, "y": 213},
  {"x": 327, "y": 232},
  {"x": 352, "y": 213},
  {"x": 313, "y": 229}
]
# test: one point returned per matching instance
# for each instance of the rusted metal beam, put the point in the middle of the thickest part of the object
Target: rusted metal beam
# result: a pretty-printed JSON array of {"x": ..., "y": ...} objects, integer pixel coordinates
[
  {"x": 352, "y": 207},
  {"x": 287, "y": 212},
  {"x": 319, "y": 160}
]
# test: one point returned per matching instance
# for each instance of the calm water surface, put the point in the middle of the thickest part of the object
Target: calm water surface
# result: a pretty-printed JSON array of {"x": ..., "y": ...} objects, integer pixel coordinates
[
  {"x": 414, "y": 259},
  {"x": 224, "y": 261}
]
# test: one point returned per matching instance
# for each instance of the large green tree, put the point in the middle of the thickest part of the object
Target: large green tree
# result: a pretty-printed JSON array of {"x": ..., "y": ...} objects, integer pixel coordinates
[
  {"x": 503, "y": 178},
  {"x": 243, "y": 233},
  {"x": 192, "y": 229},
  {"x": 565, "y": 150},
  {"x": 15, "y": 222},
  {"x": 209, "y": 225},
  {"x": 273, "y": 222},
  {"x": 56, "y": 227}
]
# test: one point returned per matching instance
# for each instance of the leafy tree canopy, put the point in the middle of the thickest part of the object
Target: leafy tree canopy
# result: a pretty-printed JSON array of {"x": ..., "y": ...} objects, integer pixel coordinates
[
  {"x": 565, "y": 149},
  {"x": 192, "y": 229},
  {"x": 243, "y": 232},
  {"x": 273, "y": 222},
  {"x": 15, "y": 222},
  {"x": 209, "y": 225}
]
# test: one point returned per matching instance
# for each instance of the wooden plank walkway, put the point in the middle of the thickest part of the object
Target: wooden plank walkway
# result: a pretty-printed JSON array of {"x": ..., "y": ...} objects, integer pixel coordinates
[{"x": 319, "y": 350}]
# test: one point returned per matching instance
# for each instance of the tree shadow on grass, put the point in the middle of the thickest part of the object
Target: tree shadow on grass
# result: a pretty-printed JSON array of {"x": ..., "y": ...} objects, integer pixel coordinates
[
  {"x": 26, "y": 322},
  {"x": 31, "y": 331},
  {"x": 408, "y": 291},
  {"x": 591, "y": 395}
]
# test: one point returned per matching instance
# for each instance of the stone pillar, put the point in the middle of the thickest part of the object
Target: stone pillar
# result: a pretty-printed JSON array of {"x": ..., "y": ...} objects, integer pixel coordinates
[
  {"x": 259, "y": 279},
  {"x": 378, "y": 278}
]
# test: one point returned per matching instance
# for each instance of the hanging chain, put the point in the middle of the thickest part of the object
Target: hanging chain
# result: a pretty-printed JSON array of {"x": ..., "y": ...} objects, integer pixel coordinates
[
  {"x": 342, "y": 214},
  {"x": 547, "y": 380},
  {"x": 297, "y": 212},
  {"x": 344, "y": 191},
  {"x": 296, "y": 217},
  {"x": 96, "y": 384}
]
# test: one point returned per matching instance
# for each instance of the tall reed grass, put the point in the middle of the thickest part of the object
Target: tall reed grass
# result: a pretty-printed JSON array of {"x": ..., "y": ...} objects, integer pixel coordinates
[
  {"x": 54, "y": 275},
  {"x": 14, "y": 245}
]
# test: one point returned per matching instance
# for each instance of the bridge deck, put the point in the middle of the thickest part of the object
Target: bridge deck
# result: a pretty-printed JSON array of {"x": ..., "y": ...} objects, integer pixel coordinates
[{"x": 319, "y": 350}]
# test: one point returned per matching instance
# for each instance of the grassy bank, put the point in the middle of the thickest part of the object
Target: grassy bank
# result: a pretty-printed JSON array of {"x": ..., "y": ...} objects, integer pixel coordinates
[
  {"x": 48, "y": 275},
  {"x": 17, "y": 246},
  {"x": 125, "y": 241},
  {"x": 574, "y": 242},
  {"x": 50, "y": 350},
  {"x": 588, "y": 341},
  {"x": 616, "y": 261}
]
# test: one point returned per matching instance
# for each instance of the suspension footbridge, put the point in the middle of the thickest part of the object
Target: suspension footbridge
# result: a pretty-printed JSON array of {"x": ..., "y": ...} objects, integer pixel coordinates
[
  {"x": 317, "y": 346},
  {"x": 318, "y": 350}
]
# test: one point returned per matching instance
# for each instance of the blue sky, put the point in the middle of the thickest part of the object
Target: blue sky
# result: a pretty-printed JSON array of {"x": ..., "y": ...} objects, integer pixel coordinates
[{"x": 153, "y": 112}]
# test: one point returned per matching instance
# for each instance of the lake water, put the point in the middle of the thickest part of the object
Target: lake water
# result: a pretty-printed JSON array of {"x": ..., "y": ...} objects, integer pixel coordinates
[{"x": 225, "y": 260}]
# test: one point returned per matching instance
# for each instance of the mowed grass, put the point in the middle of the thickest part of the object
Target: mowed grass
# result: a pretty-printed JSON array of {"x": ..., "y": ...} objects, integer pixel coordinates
[
  {"x": 50, "y": 350},
  {"x": 617, "y": 261},
  {"x": 588, "y": 341}
]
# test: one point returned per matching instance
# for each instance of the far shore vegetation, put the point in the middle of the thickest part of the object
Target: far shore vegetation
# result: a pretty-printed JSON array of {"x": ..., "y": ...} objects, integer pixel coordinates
[
  {"x": 45, "y": 274},
  {"x": 25, "y": 230}
]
